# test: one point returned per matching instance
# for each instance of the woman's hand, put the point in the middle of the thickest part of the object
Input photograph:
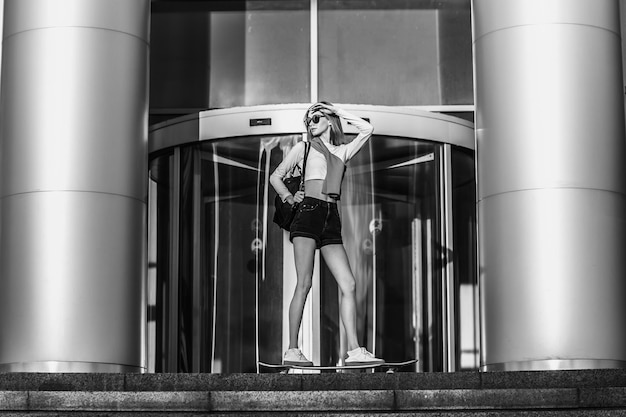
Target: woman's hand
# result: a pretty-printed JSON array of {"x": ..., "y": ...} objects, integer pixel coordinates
[
  {"x": 298, "y": 196},
  {"x": 323, "y": 107}
]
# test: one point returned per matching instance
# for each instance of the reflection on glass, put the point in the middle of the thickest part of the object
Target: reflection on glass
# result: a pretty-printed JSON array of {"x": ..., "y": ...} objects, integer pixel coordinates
[
  {"x": 216, "y": 54},
  {"x": 219, "y": 54},
  {"x": 260, "y": 55},
  {"x": 465, "y": 256},
  {"x": 395, "y": 52},
  {"x": 390, "y": 186},
  {"x": 219, "y": 258}
]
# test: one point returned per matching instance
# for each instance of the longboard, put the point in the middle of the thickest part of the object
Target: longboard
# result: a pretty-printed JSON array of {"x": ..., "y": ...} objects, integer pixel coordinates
[{"x": 390, "y": 367}]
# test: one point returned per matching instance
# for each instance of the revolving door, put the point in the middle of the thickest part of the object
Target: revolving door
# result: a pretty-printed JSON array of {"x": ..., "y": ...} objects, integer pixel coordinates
[{"x": 222, "y": 273}]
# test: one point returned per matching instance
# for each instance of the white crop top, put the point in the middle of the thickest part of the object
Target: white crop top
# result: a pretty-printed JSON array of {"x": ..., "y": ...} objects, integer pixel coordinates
[{"x": 316, "y": 162}]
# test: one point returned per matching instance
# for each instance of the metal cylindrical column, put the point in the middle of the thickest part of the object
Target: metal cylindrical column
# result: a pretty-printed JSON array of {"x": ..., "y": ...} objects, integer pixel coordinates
[
  {"x": 73, "y": 171},
  {"x": 551, "y": 178}
]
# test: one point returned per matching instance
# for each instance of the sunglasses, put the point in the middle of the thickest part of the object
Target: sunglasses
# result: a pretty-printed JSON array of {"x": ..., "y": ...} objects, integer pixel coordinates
[{"x": 314, "y": 119}]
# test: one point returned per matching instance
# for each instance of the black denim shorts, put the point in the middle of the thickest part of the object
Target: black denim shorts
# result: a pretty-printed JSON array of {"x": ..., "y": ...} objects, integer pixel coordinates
[{"x": 318, "y": 220}]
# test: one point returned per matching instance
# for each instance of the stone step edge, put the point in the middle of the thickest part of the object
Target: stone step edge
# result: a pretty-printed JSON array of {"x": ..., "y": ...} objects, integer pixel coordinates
[
  {"x": 316, "y": 382},
  {"x": 355, "y": 400}
]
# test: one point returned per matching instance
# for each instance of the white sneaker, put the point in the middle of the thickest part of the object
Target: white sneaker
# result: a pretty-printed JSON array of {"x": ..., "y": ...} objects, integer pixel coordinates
[
  {"x": 360, "y": 356},
  {"x": 294, "y": 356}
]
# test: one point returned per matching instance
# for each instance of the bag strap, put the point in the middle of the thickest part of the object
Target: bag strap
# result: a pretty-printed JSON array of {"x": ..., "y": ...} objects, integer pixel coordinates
[{"x": 307, "y": 146}]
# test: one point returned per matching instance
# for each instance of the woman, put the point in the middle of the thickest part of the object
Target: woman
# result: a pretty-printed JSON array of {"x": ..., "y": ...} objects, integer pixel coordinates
[{"x": 317, "y": 224}]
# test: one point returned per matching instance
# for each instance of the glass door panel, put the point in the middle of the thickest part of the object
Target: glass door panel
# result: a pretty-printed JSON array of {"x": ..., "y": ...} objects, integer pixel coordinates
[
  {"x": 389, "y": 216},
  {"x": 223, "y": 267}
]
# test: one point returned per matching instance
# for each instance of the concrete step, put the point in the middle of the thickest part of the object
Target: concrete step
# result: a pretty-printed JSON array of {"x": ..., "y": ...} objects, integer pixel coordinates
[{"x": 552, "y": 393}]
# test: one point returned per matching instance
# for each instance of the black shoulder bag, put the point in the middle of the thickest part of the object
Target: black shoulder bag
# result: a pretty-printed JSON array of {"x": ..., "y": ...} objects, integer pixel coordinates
[{"x": 285, "y": 212}]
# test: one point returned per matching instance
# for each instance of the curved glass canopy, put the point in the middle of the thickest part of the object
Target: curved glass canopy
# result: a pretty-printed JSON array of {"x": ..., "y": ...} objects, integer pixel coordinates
[{"x": 222, "y": 273}]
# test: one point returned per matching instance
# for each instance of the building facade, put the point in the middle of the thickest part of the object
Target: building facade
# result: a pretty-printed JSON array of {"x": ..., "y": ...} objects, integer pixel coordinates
[{"x": 483, "y": 221}]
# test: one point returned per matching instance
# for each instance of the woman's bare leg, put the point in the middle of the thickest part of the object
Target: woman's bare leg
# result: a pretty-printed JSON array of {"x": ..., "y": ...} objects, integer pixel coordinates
[
  {"x": 304, "y": 254},
  {"x": 337, "y": 261}
]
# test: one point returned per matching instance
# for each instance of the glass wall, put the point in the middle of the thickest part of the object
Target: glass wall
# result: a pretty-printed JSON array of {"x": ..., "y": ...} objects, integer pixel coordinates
[
  {"x": 217, "y": 54},
  {"x": 208, "y": 54},
  {"x": 221, "y": 272},
  {"x": 222, "y": 269},
  {"x": 395, "y": 52},
  {"x": 465, "y": 258}
]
